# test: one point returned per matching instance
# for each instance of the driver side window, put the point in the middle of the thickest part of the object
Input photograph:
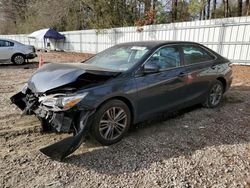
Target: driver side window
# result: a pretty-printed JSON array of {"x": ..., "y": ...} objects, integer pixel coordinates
[{"x": 165, "y": 58}]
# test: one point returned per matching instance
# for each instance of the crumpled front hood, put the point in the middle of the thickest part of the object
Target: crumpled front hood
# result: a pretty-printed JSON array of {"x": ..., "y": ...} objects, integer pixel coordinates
[{"x": 53, "y": 75}]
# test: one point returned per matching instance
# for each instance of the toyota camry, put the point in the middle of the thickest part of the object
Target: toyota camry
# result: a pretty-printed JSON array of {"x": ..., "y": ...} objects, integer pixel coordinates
[{"x": 121, "y": 86}]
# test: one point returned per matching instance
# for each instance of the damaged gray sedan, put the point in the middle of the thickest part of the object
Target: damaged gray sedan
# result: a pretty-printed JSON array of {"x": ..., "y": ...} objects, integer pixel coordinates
[{"x": 123, "y": 85}]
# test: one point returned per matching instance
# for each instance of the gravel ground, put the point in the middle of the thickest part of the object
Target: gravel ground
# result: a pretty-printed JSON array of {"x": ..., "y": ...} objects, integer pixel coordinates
[{"x": 195, "y": 147}]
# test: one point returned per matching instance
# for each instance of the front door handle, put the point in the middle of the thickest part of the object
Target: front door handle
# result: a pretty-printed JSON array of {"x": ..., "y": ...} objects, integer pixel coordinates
[
  {"x": 214, "y": 66},
  {"x": 181, "y": 74}
]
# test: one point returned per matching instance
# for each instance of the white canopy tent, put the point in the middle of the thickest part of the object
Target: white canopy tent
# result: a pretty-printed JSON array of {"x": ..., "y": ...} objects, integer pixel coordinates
[
  {"x": 44, "y": 34},
  {"x": 39, "y": 34}
]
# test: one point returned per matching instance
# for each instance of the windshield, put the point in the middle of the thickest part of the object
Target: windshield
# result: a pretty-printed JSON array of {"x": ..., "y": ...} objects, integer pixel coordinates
[{"x": 118, "y": 58}]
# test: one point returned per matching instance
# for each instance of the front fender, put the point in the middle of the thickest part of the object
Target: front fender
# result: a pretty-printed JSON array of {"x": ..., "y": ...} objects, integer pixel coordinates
[{"x": 124, "y": 89}]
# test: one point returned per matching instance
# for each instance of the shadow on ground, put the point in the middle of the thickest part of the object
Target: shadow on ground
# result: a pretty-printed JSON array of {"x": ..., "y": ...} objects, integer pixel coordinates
[{"x": 171, "y": 136}]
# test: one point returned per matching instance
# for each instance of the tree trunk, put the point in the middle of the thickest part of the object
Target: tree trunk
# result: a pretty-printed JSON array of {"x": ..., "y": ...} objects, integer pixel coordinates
[
  {"x": 147, "y": 5},
  {"x": 204, "y": 12},
  {"x": 174, "y": 10},
  {"x": 214, "y": 9},
  {"x": 135, "y": 10},
  {"x": 154, "y": 4},
  {"x": 208, "y": 9},
  {"x": 214, "y": 5},
  {"x": 226, "y": 8},
  {"x": 239, "y": 7},
  {"x": 247, "y": 7},
  {"x": 203, "y": 9},
  {"x": 200, "y": 15}
]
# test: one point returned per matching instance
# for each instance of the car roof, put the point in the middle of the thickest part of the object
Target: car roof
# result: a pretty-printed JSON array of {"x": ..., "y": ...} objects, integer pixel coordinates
[
  {"x": 152, "y": 44},
  {"x": 8, "y": 40}
]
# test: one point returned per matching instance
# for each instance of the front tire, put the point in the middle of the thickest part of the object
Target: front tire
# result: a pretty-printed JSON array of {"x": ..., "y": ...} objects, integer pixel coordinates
[
  {"x": 214, "y": 95},
  {"x": 111, "y": 122},
  {"x": 18, "y": 59}
]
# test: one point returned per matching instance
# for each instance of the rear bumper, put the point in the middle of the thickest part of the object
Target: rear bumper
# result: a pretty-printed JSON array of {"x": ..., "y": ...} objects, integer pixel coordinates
[{"x": 31, "y": 55}]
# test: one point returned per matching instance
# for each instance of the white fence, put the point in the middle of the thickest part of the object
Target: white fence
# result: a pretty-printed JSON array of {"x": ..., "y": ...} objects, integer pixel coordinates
[{"x": 229, "y": 36}]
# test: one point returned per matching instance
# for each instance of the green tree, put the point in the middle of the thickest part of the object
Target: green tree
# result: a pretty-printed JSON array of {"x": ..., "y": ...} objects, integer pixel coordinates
[
  {"x": 194, "y": 9},
  {"x": 25, "y": 16}
]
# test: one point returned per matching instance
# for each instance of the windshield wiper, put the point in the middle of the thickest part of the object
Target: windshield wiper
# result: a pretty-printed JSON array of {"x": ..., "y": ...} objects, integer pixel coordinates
[{"x": 87, "y": 59}]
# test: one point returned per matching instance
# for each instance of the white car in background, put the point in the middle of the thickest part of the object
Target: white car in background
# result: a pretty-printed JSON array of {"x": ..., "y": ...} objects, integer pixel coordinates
[{"x": 15, "y": 52}]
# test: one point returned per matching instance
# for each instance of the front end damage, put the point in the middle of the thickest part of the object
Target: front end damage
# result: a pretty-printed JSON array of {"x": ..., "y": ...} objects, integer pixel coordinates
[
  {"x": 57, "y": 112},
  {"x": 54, "y": 94}
]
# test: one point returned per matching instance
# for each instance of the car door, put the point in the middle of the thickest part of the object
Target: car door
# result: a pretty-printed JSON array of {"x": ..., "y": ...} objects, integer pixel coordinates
[
  {"x": 6, "y": 50},
  {"x": 164, "y": 89},
  {"x": 199, "y": 71}
]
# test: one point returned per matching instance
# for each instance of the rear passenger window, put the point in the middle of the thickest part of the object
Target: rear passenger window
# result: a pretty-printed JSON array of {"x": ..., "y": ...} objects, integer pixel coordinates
[{"x": 195, "y": 54}]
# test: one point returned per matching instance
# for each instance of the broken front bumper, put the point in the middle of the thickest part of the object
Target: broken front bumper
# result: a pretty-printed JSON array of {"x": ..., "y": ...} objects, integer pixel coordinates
[
  {"x": 60, "y": 121},
  {"x": 65, "y": 147}
]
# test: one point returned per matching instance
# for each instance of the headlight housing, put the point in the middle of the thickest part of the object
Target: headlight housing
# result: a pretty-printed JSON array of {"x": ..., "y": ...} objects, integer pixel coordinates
[{"x": 61, "y": 102}]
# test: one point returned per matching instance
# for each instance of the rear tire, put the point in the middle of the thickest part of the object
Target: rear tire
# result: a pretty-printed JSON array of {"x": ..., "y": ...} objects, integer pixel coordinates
[
  {"x": 111, "y": 122},
  {"x": 214, "y": 95},
  {"x": 18, "y": 59}
]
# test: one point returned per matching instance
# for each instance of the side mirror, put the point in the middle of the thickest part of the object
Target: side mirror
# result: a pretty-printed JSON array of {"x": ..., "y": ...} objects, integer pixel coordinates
[{"x": 150, "y": 68}]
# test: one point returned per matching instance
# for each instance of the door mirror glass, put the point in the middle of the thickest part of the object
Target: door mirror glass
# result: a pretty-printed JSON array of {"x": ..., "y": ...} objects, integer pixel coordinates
[{"x": 150, "y": 68}]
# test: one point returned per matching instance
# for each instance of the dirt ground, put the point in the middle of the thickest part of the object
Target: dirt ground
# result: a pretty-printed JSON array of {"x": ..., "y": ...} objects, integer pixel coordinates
[
  {"x": 196, "y": 147},
  {"x": 63, "y": 57}
]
